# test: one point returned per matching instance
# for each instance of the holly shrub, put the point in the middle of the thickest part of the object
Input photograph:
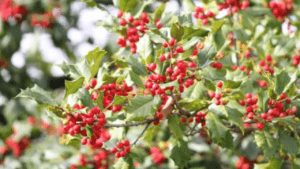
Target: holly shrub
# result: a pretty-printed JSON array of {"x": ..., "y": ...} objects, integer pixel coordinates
[{"x": 213, "y": 86}]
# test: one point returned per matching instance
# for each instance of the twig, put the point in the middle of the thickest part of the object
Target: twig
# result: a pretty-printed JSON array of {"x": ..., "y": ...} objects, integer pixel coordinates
[
  {"x": 181, "y": 111},
  {"x": 141, "y": 134}
]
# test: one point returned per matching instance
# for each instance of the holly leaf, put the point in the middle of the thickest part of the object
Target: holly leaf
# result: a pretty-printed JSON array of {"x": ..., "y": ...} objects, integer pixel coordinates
[
  {"x": 266, "y": 142},
  {"x": 176, "y": 31},
  {"x": 137, "y": 67},
  {"x": 73, "y": 86},
  {"x": 125, "y": 5},
  {"x": 274, "y": 163},
  {"x": 173, "y": 123},
  {"x": 283, "y": 81},
  {"x": 124, "y": 163},
  {"x": 181, "y": 154},
  {"x": 289, "y": 144},
  {"x": 38, "y": 94},
  {"x": 140, "y": 107},
  {"x": 149, "y": 134},
  {"x": 190, "y": 32},
  {"x": 218, "y": 132},
  {"x": 84, "y": 96},
  {"x": 196, "y": 91},
  {"x": 94, "y": 59},
  {"x": 145, "y": 46}
]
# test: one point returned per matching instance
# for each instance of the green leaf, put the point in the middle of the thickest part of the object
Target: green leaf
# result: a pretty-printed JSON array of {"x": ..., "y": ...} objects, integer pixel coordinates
[
  {"x": 144, "y": 46},
  {"x": 134, "y": 79},
  {"x": 125, "y": 5},
  {"x": 56, "y": 111},
  {"x": 73, "y": 86},
  {"x": 284, "y": 47},
  {"x": 159, "y": 11},
  {"x": 188, "y": 5},
  {"x": 216, "y": 25},
  {"x": 38, "y": 94},
  {"x": 190, "y": 32},
  {"x": 263, "y": 100},
  {"x": 119, "y": 100},
  {"x": 181, "y": 154},
  {"x": 84, "y": 96},
  {"x": 137, "y": 67},
  {"x": 193, "y": 104},
  {"x": 241, "y": 35},
  {"x": 141, "y": 107},
  {"x": 100, "y": 100},
  {"x": 283, "y": 81},
  {"x": 196, "y": 91},
  {"x": 266, "y": 142},
  {"x": 206, "y": 55},
  {"x": 190, "y": 44},
  {"x": 173, "y": 123},
  {"x": 94, "y": 59},
  {"x": 89, "y": 132},
  {"x": 124, "y": 163},
  {"x": 150, "y": 133},
  {"x": 289, "y": 144},
  {"x": 232, "y": 111},
  {"x": 176, "y": 31},
  {"x": 274, "y": 163},
  {"x": 218, "y": 132}
]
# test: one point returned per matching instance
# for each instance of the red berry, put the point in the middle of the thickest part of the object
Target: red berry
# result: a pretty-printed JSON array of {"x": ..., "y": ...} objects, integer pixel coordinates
[
  {"x": 219, "y": 84},
  {"x": 162, "y": 58},
  {"x": 120, "y": 145},
  {"x": 172, "y": 42},
  {"x": 122, "y": 22},
  {"x": 183, "y": 120},
  {"x": 114, "y": 150},
  {"x": 179, "y": 49},
  {"x": 260, "y": 126},
  {"x": 120, "y": 14}
]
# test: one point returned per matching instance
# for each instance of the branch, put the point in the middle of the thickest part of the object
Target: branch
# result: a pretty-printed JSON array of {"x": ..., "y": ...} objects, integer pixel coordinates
[
  {"x": 134, "y": 143},
  {"x": 130, "y": 124},
  {"x": 181, "y": 111}
]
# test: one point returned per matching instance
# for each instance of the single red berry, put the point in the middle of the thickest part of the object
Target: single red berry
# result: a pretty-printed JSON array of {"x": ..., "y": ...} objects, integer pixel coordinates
[
  {"x": 219, "y": 84},
  {"x": 162, "y": 58},
  {"x": 120, "y": 145},
  {"x": 179, "y": 49},
  {"x": 183, "y": 120},
  {"x": 114, "y": 150},
  {"x": 260, "y": 126},
  {"x": 172, "y": 42}
]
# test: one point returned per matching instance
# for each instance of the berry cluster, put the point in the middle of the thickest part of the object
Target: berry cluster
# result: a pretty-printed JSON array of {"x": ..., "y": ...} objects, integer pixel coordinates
[
  {"x": 98, "y": 159},
  {"x": 244, "y": 163},
  {"x": 281, "y": 8},
  {"x": 233, "y": 6},
  {"x": 275, "y": 109},
  {"x": 9, "y": 9},
  {"x": 157, "y": 156},
  {"x": 78, "y": 123},
  {"x": 266, "y": 65},
  {"x": 110, "y": 91},
  {"x": 203, "y": 16},
  {"x": 296, "y": 59},
  {"x": 46, "y": 20},
  {"x": 124, "y": 149},
  {"x": 16, "y": 146},
  {"x": 262, "y": 83},
  {"x": 218, "y": 96},
  {"x": 134, "y": 28}
]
